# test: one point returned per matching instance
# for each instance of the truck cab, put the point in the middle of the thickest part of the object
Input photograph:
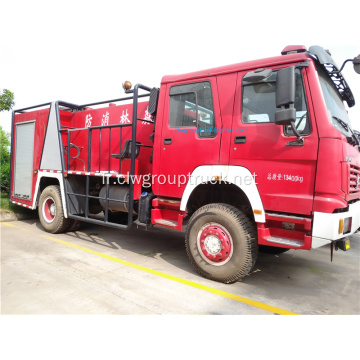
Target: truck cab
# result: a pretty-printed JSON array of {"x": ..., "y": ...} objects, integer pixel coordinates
[{"x": 218, "y": 129}]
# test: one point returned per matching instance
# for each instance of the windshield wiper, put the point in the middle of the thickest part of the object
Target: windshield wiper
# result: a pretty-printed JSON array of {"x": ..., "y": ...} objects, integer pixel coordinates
[
  {"x": 353, "y": 139},
  {"x": 342, "y": 123}
]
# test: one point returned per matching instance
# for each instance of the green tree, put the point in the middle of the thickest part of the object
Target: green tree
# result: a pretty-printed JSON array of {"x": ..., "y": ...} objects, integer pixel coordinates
[
  {"x": 4, "y": 160},
  {"x": 6, "y": 100},
  {"x": 6, "y": 104}
]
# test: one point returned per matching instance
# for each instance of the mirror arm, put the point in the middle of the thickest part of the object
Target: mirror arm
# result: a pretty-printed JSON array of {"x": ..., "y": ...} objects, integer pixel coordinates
[
  {"x": 300, "y": 140},
  {"x": 355, "y": 61},
  {"x": 343, "y": 65}
]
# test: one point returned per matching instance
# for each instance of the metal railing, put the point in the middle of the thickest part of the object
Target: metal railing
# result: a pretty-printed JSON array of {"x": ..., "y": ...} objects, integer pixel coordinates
[{"x": 68, "y": 130}]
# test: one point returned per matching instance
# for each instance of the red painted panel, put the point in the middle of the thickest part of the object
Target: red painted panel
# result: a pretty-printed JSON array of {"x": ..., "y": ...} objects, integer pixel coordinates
[
  {"x": 333, "y": 175},
  {"x": 328, "y": 178},
  {"x": 226, "y": 88},
  {"x": 158, "y": 135},
  {"x": 111, "y": 115}
]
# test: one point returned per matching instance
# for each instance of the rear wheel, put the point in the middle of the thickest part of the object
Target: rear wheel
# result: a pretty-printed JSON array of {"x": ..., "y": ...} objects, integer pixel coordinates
[
  {"x": 221, "y": 243},
  {"x": 51, "y": 212},
  {"x": 74, "y": 225}
]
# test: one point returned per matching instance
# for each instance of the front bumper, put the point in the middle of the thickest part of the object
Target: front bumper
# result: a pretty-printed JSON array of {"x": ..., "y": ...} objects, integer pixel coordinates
[{"x": 326, "y": 226}]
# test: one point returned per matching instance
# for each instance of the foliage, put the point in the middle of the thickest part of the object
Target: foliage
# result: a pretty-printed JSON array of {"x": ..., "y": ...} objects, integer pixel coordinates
[
  {"x": 7, "y": 206},
  {"x": 4, "y": 160},
  {"x": 6, "y": 103},
  {"x": 6, "y": 100}
]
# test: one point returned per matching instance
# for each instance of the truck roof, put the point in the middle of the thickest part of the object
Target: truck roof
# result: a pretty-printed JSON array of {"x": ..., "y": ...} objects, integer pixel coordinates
[{"x": 248, "y": 65}]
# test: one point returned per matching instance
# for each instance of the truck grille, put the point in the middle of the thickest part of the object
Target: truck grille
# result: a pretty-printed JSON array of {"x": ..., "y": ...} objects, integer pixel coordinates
[{"x": 354, "y": 183}]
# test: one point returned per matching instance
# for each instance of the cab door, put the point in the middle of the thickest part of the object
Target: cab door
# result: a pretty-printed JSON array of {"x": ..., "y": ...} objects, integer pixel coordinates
[
  {"x": 284, "y": 170},
  {"x": 188, "y": 137}
]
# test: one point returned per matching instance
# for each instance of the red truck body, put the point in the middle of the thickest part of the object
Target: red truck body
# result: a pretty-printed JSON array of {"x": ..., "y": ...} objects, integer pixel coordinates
[{"x": 211, "y": 139}]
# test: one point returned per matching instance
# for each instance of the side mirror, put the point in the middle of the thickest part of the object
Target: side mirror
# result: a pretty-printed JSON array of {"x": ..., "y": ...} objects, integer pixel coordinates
[
  {"x": 285, "y": 116},
  {"x": 285, "y": 99},
  {"x": 285, "y": 96},
  {"x": 356, "y": 62}
]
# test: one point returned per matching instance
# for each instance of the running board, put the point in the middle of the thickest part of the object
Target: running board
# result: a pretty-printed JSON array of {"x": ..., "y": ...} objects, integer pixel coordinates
[
  {"x": 284, "y": 241},
  {"x": 172, "y": 219},
  {"x": 166, "y": 223}
]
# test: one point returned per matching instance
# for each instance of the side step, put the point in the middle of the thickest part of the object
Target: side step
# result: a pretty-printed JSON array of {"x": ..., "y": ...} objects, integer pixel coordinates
[
  {"x": 283, "y": 241},
  {"x": 172, "y": 219},
  {"x": 296, "y": 239},
  {"x": 164, "y": 222}
]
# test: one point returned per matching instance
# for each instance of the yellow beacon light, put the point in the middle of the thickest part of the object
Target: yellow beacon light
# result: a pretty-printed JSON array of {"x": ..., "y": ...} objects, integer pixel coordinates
[{"x": 126, "y": 85}]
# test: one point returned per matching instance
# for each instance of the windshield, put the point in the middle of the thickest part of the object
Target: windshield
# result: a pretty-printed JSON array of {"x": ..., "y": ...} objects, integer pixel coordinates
[{"x": 338, "y": 115}]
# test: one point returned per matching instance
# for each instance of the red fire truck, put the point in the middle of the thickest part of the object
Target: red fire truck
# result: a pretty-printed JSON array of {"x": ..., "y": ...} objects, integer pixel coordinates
[{"x": 256, "y": 155}]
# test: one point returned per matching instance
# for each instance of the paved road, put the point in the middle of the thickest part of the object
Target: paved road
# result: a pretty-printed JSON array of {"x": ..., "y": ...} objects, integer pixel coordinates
[{"x": 99, "y": 270}]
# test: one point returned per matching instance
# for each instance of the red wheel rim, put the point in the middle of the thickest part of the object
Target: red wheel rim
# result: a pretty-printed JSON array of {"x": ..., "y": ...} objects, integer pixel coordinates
[
  {"x": 215, "y": 244},
  {"x": 49, "y": 209}
]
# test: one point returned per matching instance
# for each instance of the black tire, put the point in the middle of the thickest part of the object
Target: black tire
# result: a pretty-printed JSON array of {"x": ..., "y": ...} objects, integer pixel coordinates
[
  {"x": 272, "y": 249},
  {"x": 51, "y": 212},
  {"x": 74, "y": 225},
  {"x": 212, "y": 226}
]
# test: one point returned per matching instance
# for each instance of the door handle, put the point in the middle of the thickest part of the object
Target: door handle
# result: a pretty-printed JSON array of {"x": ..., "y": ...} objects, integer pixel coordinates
[
  {"x": 168, "y": 141},
  {"x": 240, "y": 139}
]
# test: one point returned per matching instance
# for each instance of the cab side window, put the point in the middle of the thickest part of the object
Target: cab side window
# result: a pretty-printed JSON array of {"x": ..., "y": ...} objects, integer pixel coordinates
[
  {"x": 259, "y": 106},
  {"x": 191, "y": 105}
]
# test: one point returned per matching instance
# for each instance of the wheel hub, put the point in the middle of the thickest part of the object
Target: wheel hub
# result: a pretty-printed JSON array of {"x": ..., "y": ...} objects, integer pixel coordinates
[
  {"x": 212, "y": 244},
  {"x": 49, "y": 209},
  {"x": 215, "y": 244},
  {"x": 52, "y": 209}
]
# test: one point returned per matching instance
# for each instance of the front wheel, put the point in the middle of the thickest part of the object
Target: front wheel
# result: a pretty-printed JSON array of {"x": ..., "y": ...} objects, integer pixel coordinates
[
  {"x": 51, "y": 212},
  {"x": 221, "y": 243}
]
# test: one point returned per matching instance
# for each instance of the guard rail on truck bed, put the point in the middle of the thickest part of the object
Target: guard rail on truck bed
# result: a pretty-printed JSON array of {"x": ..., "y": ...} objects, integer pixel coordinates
[{"x": 94, "y": 135}]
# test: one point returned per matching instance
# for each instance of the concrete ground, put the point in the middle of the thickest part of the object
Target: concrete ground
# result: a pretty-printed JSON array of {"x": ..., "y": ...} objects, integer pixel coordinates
[{"x": 100, "y": 270}]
